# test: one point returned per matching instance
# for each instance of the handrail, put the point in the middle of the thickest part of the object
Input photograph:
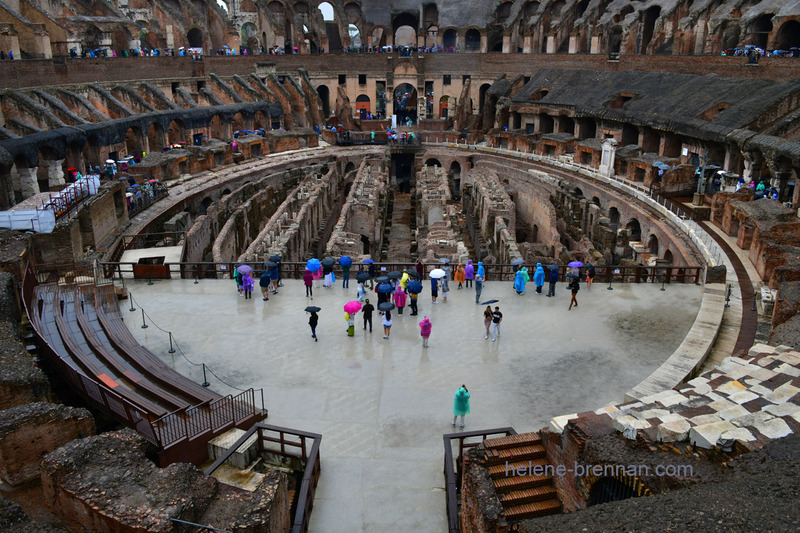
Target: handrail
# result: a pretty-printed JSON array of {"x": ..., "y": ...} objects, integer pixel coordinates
[
  {"x": 453, "y": 484},
  {"x": 191, "y": 527}
]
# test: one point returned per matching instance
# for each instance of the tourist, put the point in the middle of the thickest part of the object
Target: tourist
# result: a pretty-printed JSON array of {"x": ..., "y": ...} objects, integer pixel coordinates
[
  {"x": 308, "y": 280},
  {"x": 420, "y": 266},
  {"x": 459, "y": 276},
  {"x": 248, "y": 284},
  {"x": 361, "y": 292},
  {"x": 553, "y": 279},
  {"x": 574, "y": 286},
  {"x": 469, "y": 273},
  {"x": 497, "y": 318},
  {"x": 316, "y": 276},
  {"x": 589, "y": 275},
  {"x": 404, "y": 281},
  {"x": 399, "y": 298},
  {"x": 461, "y": 404},
  {"x": 487, "y": 319},
  {"x": 367, "y": 311},
  {"x": 445, "y": 284},
  {"x": 413, "y": 303},
  {"x": 480, "y": 276},
  {"x": 237, "y": 278},
  {"x": 264, "y": 282},
  {"x": 371, "y": 271},
  {"x": 275, "y": 274},
  {"x": 350, "y": 318},
  {"x": 425, "y": 330},
  {"x": 538, "y": 278},
  {"x": 520, "y": 281},
  {"x": 387, "y": 324},
  {"x": 346, "y": 277},
  {"x": 327, "y": 272},
  {"x": 434, "y": 290},
  {"x": 312, "y": 321}
]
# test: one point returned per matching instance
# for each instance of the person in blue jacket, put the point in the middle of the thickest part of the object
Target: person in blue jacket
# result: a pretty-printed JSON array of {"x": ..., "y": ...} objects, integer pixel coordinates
[
  {"x": 553, "y": 279},
  {"x": 538, "y": 278}
]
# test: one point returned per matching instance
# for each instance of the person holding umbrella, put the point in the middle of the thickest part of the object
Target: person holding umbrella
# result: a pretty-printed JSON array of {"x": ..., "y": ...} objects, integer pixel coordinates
[
  {"x": 346, "y": 262},
  {"x": 248, "y": 284},
  {"x": 264, "y": 282},
  {"x": 552, "y": 279},
  {"x": 574, "y": 286},
  {"x": 350, "y": 310},
  {"x": 313, "y": 320},
  {"x": 434, "y": 290},
  {"x": 367, "y": 311},
  {"x": 414, "y": 288},
  {"x": 327, "y": 271},
  {"x": 386, "y": 308},
  {"x": 538, "y": 278},
  {"x": 461, "y": 404},
  {"x": 237, "y": 278},
  {"x": 308, "y": 280},
  {"x": 425, "y": 330}
]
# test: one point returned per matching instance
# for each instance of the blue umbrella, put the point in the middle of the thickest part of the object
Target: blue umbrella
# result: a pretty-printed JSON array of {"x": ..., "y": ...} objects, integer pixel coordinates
[
  {"x": 313, "y": 265},
  {"x": 345, "y": 261},
  {"x": 384, "y": 287},
  {"x": 367, "y": 261},
  {"x": 414, "y": 287}
]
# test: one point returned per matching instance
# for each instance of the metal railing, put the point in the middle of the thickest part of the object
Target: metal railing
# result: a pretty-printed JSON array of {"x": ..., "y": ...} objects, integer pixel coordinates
[
  {"x": 453, "y": 472},
  {"x": 190, "y": 527},
  {"x": 308, "y": 455}
]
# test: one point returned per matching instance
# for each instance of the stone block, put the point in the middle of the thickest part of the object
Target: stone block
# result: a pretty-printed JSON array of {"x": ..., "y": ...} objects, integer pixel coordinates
[
  {"x": 629, "y": 425},
  {"x": 783, "y": 409},
  {"x": 700, "y": 385},
  {"x": 740, "y": 434},
  {"x": 752, "y": 419},
  {"x": 707, "y": 435},
  {"x": 558, "y": 423},
  {"x": 674, "y": 431},
  {"x": 774, "y": 428},
  {"x": 782, "y": 394},
  {"x": 734, "y": 411},
  {"x": 742, "y": 397},
  {"x": 761, "y": 348},
  {"x": 702, "y": 420},
  {"x": 789, "y": 370}
]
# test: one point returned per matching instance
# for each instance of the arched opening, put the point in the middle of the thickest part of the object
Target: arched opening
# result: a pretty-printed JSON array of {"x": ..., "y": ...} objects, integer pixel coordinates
[
  {"x": 259, "y": 120},
  {"x": 578, "y": 193},
  {"x": 217, "y": 128},
  {"x": 363, "y": 106},
  {"x": 327, "y": 11},
  {"x": 531, "y": 8},
  {"x": 545, "y": 123},
  {"x": 91, "y": 38},
  {"x": 238, "y": 122},
  {"x": 350, "y": 167},
  {"x": 405, "y": 103},
  {"x": 120, "y": 38},
  {"x": 249, "y": 38},
  {"x": 596, "y": 201},
  {"x": 482, "y": 97},
  {"x": 652, "y": 246},
  {"x": 472, "y": 40},
  {"x": 205, "y": 204},
  {"x": 449, "y": 39},
  {"x": 730, "y": 35},
  {"x": 378, "y": 38},
  {"x": 325, "y": 96},
  {"x": 609, "y": 489},
  {"x": 195, "y": 38},
  {"x": 175, "y": 132},
  {"x": 503, "y": 11},
  {"x": 668, "y": 256},
  {"x": 355, "y": 36},
  {"x": 133, "y": 143},
  {"x": 432, "y": 162},
  {"x": 155, "y": 137},
  {"x": 445, "y": 104},
  {"x": 760, "y": 29},
  {"x": 634, "y": 230},
  {"x": 788, "y": 36},
  {"x": 455, "y": 179},
  {"x": 404, "y": 27},
  {"x": 615, "y": 40},
  {"x": 613, "y": 218},
  {"x": 649, "y": 23}
]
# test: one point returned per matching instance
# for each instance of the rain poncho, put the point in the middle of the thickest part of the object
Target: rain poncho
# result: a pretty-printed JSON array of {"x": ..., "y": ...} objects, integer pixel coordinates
[
  {"x": 425, "y": 327},
  {"x": 399, "y": 298},
  {"x": 308, "y": 278},
  {"x": 481, "y": 273},
  {"x": 538, "y": 276},
  {"x": 459, "y": 276},
  {"x": 248, "y": 283},
  {"x": 519, "y": 282},
  {"x": 525, "y": 274},
  {"x": 461, "y": 402},
  {"x": 469, "y": 270},
  {"x": 404, "y": 280}
]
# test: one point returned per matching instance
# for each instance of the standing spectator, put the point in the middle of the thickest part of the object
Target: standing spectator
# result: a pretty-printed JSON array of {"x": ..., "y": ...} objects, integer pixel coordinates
[
  {"x": 413, "y": 303},
  {"x": 361, "y": 292},
  {"x": 308, "y": 280},
  {"x": 237, "y": 278},
  {"x": 327, "y": 272},
  {"x": 275, "y": 274},
  {"x": 387, "y": 324},
  {"x": 553, "y": 279},
  {"x": 469, "y": 273},
  {"x": 425, "y": 330},
  {"x": 346, "y": 277},
  {"x": 445, "y": 284},
  {"x": 487, "y": 319},
  {"x": 264, "y": 282},
  {"x": 351, "y": 323},
  {"x": 519, "y": 281},
  {"x": 248, "y": 284},
  {"x": 434, "y": 290},
  {"x": 312, "y": 321},
  {"x": 480, "y": 276},
  {"x": 371, "y": 271},
  {"x": 574, "y": 286},
  {"x": 461, "y": 404},
  {"x": 538, "y": 278},
  {"x": 367, "y": 310},
  {"x": 420, "y": 266},
  {"x": 497, "y": 317},
  {"x": 459, "y": 276},
  {"x": 399, "y": 298},
  {"x": 316, "y": 276},
  {"x": 589, "y": 275}
]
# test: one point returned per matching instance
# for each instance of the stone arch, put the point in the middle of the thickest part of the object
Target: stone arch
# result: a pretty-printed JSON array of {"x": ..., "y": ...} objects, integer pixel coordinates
[
  {"x": 325, "y": 97},
  {"x": 668, "y": 256},
  {"x": 260, "y": 121},
  {"x": 205, "y": 204},
  {"x": 363, "y": 102},
  {"x": 531, "y": 8},
  {"x": 195, "y": 38},
  {"x": 482, "y": 97},
  {"x": 445, "y": 104},
  {"x": 649, "y": 18},
  {"x": 615, "y": 40},
  {"x": 249, "y": 37},
  {"x": 175, "y": 131},
  {"x": 120, "y": 38},
  {"x": 402, "y": 20},
  {"x": 354, "y": 36},
  {"x": 652, "y": 245},
  {"x": 450, "y": 38},
  {"x": 613, "y": 218},
  {"x": 133, "y": 141},
  {"x": 472, "y": 40},
  {"x": 577, "y": 192},
  {"x": 760, "y": 30},
  {"x": 432, "y": 162},
  {"x": 217, "y": 127},
  {"x": 350, "y": 167},
  {"x": 730, "y": 34},
  {"x": 634, "y": 230},
  {"x": 503, "y": 11},
  {"x": 155, "y": 137},
  {"x": 788, "y": 35},
  {"x": 238, "y": 122},
  {"x": 405, "y": 102}
]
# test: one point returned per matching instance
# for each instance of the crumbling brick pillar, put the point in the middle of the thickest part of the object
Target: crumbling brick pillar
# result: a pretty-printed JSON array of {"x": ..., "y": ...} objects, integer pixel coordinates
[{"x": 28, "y": 185}]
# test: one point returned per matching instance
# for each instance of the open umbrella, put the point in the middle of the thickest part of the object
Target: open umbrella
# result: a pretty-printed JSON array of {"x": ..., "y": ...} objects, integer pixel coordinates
[
  {"x": 444, "y": 261},
  {"x": 345, "y": 261},
  {"x": 552, "y": 267},
  {"x": 573, "y": 276},
  {"x": 575, "y": 264},
  {"x": 352, "y": 307},
  {"x": 128, "y": 194},
  {"x": 362, "y": 277},
  {"x": 385, "y": 306},
  {"x": 270, "y": 264},
  {"x": 382, "y": 279},
  {"x": 437, "y": 273},
  {"x": 313, "y": 309},
  {"x": 275, "y": 258},
  {"x": 394, "y": 275},
  {"x": 384, "y": 287},
  {"x": 328, "y": 261},
  {"x": 414, "y": 287},
  {"x": 244, "y": 269},
  {"x": 313, "y": 265},
  {"x": 518, "y": 261},
  {"x": 367, "y": 261},
  {"x": 412, "y": 273}
]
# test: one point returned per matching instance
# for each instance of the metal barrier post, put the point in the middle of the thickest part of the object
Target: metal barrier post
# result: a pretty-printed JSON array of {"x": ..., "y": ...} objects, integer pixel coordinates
[
  {"x": 144, "y": 324},
  {"x": 728, "y": 297},
  {"x": 205, "y": 380},
  {"x": 171, "y": 349}
]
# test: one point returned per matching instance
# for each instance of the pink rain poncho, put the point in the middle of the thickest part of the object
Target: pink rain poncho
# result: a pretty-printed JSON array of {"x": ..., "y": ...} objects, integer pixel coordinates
[
  {"x": 425, "y": 327},
  {"x": 399, "y": 298}
]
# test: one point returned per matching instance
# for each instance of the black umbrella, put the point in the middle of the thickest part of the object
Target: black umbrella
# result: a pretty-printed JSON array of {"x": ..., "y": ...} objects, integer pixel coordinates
[
  {"x": 394, "y": 275},
  {"x": 313, "y": 309},
  {"x": 385, "y": 306},
  {"x": 517, "y": 262},
  {"x": 573, "y": 276},
  {"x": 412, "y": 273},
  {"x": 270, "y": 264},
  {"x": 381, "y": 279},
  {"x": 329, "y": 261},
  {"x": 362, "y": 277},
  {"x": 275, "y": 258},
  {"x": 487, "y": 302},
  {"x": 384, "y": 287}
]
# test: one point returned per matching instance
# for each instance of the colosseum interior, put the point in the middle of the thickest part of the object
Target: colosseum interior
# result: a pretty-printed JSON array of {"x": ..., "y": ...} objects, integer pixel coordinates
[{"x": 149, "y": 149}]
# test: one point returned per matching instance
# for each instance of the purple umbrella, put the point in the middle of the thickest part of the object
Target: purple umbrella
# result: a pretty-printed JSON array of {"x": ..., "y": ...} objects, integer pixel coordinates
[
  {"x": 575, "y": 264},
  {"x": 244, "y": 269}
]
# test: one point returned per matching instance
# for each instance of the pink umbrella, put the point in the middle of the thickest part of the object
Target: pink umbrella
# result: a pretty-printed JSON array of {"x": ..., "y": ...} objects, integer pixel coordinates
[{"x": 352, "y": 307}]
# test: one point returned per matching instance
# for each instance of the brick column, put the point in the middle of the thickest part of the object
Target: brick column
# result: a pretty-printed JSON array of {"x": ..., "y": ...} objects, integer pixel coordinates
[
  {"x": 28, "y": 184},
  {"x": 55, "y": 172}
]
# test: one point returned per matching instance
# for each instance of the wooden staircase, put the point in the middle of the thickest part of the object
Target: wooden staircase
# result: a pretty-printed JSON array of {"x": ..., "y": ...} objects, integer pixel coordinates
[{"x": 526, "y": 495}]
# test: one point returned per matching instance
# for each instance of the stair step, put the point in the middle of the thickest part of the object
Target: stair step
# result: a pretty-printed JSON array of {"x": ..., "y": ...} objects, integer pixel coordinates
[
  {"x": 513, "y": 441},
  {"x": 512, "y": 455},
  {"x": 512, "y": 483},
  {"x": 536, "y": 494},
  {"x": 511, "y": 469},
  {"x": 532, "y": 510}
]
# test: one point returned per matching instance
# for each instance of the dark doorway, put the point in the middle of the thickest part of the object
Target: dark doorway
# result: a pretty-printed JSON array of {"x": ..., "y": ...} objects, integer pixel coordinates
[
  {"x": 403, "y": 171},
  {"x": 405, "y": 103}
]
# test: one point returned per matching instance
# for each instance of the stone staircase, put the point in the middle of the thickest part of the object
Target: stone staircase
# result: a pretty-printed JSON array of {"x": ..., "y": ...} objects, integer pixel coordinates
[{"x": 522, "y": 493}]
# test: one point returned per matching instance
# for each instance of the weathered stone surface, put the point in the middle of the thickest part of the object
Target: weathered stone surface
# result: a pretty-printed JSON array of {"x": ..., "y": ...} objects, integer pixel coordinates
[
  {"x": 707, "y": 435},
  {"x": 676, "y": 431}
]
